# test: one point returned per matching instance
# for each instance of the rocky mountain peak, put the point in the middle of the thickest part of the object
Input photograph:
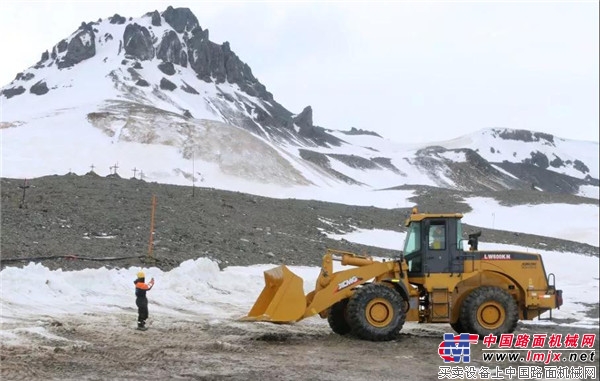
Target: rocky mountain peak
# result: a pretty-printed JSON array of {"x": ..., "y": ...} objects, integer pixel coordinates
[
  {"x": 172, "y": 43},
  {"x": 185, "y": 44},
  {"x": 304, "y": 120},
  {"x": 180, "y": 19}
]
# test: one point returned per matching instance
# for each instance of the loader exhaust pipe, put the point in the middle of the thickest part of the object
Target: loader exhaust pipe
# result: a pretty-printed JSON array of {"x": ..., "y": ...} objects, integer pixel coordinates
[{"x": 282, "y": 300}]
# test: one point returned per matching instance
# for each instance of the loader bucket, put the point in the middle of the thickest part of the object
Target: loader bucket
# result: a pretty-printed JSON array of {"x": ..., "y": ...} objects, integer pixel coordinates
[{"x": 282, "y": 300}]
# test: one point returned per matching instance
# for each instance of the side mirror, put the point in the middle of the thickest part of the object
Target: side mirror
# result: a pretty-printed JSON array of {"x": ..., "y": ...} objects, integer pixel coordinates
[{"x": 474, "y": 241}]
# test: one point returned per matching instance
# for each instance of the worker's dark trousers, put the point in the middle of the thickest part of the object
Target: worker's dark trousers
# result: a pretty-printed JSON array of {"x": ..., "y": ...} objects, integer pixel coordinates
[{"x": 142, "y": 304}]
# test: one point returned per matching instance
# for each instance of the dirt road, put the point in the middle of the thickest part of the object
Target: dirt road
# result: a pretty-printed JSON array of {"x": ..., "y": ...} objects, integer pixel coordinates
[{"x": 94, "y": 347}]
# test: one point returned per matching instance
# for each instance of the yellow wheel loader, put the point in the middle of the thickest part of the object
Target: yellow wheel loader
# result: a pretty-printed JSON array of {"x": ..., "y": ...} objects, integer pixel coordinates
[{"x": 434, "y": 281}]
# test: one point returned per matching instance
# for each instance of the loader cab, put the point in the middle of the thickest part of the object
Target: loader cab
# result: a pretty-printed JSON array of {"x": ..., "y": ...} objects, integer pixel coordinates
[{"x": 433, "y": 244}]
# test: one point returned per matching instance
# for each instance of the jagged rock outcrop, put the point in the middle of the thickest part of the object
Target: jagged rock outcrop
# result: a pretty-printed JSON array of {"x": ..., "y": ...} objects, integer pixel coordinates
[
  {"x": 137, "y": 42},
  {"x": 306, "y": 129},
  {"x": 537, "y": 159},
  {"x": 524, "y": 135},
  {"x": 580, "y": 166},
  {"x": 557, "y": 162},
  {"x": 81, "y": 47},
  {"x": 239, "y": 72},
  {"x": 62, "y": 46},
  {"x": 13, "y": 91},
  {"x": 356, "y": 131},
  {"x": 165, "y": 84},
  {"x": 117, "y": 19},
  {"x": 205, "y": 57},
  {"x": 189, "y": 89},
  {"x": 40, "y": 88},
  {"x": 212, "y": 61},
  {"x": 304, "y": 121},
  {"x": 24, "y": 77},
  {"x": 156, "y": 20},
  {"x": 180, "y": 19},
  {"x": 169, "y": 49},
  {"x": 167, "y": 68}
]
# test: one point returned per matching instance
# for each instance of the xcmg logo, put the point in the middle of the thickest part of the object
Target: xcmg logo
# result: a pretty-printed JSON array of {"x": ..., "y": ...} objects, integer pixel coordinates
[{"x": 347, "y": 283}]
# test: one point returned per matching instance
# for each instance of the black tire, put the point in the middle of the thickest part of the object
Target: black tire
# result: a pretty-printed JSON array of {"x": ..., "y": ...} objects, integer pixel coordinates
[
  {"x": 458, "y": 327},
  {"x": 376, "y": 312},
  {"x": 337, "y": 318},
  {"x": 489, "y": 310}
]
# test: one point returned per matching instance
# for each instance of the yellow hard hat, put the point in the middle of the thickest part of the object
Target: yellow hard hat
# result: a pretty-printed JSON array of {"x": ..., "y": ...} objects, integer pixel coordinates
[{"x": 141, "y": 274}]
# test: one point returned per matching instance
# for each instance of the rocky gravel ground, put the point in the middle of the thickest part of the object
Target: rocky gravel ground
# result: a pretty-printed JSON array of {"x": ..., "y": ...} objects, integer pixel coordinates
[
  {"x": 106, "y": 348},
  {"x": 74, "y": 222}
]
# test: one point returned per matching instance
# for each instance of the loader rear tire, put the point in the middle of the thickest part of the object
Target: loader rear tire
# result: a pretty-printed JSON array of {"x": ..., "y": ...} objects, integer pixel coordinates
[
  {"x": 337, "y": 318},
  {"x": 489, "y": 310},
  {"x": 376, "y": 312}
]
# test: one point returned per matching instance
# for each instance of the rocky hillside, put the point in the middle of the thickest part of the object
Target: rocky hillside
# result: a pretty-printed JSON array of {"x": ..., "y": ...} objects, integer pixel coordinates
[{"x": 76, "y": 222}]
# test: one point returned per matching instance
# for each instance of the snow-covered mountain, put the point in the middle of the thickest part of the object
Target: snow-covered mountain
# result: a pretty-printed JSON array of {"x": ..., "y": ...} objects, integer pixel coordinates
[{"x": 154, "y": 94}]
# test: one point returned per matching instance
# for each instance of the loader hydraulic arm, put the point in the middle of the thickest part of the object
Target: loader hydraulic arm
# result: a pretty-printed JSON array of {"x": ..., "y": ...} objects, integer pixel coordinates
[
  {"x": 331, "y": 287},
  {"x": 346, "y": 259}
]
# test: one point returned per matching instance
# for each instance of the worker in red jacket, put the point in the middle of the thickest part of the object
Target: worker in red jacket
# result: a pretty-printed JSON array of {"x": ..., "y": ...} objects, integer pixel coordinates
[{"x": 141, "y": 300}]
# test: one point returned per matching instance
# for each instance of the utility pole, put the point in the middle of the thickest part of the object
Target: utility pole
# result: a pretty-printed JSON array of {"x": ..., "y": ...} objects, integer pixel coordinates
[
  {"x": 24, "y": 187},
  {"x": 150, "y": 243},
  {"x": 116, "y": 167},
  {"x": 134, "y": 171},
  {"x": 92, "y": 167},
  {"x": 193, "y": 174}
]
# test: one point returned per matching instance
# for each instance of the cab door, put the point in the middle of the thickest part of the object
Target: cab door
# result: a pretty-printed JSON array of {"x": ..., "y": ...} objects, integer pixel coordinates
[{"x": 440, "y": 247}]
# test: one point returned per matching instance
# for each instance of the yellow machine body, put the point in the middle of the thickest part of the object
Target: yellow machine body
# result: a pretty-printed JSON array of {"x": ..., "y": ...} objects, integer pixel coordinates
[{"x": 473, "y": 290}]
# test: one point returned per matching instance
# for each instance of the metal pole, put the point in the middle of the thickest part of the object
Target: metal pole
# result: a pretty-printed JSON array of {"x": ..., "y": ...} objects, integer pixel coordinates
[
  {"x": 24, "y": 187},
  {"x": 150, "y": 244},
  {"x": 193, "y": 174}
]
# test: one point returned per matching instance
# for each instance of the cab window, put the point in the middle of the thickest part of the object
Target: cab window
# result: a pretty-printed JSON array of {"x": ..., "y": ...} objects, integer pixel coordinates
[
  {"x": 412, "y": 242},
  {"x": 437, "y": 236},
  {"x": 412, "y": 248}
]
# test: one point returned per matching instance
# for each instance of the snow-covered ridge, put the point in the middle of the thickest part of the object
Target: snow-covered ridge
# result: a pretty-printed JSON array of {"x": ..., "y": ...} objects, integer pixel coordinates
[{"x": 154, "y": 82}]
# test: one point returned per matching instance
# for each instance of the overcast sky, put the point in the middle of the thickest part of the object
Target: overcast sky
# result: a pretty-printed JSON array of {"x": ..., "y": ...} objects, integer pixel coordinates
[{"x": 411, "y": 71}]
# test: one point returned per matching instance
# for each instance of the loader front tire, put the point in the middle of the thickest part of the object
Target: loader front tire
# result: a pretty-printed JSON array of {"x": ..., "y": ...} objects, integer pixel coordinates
[
  {"x": 337, "y": 318},
  {"x": 458, "y": 327},
  {"x": 375, "y": 312},
  {"x": 489, "y": 310}
]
